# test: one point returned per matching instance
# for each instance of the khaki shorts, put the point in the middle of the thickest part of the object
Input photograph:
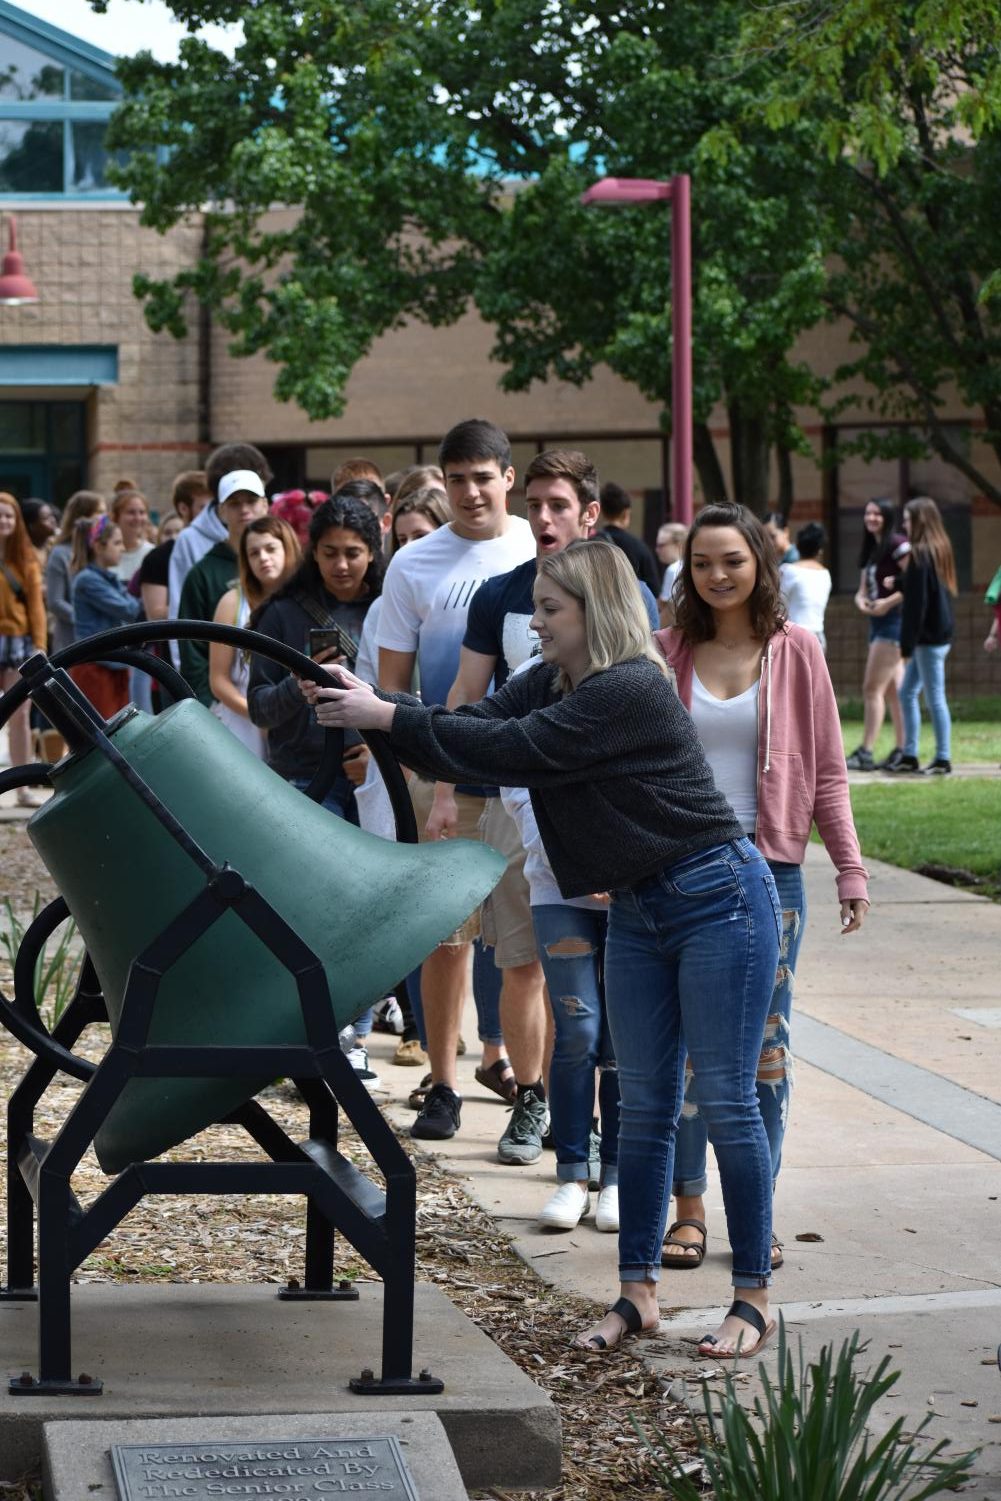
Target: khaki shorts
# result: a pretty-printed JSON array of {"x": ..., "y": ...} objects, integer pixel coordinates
[
  {"x": 468, "y": 827},
  {"x": 506, "y": 914}
]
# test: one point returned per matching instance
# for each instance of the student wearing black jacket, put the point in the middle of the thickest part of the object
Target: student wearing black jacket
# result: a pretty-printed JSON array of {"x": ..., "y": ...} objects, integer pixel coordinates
[
  {"x": 340, "y": 576},
  {"x": 625, "y": 803},
  {"x": 926, "y": 634}
]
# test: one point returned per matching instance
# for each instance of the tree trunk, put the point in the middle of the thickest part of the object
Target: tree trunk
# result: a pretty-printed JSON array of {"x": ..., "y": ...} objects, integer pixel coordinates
[
  {"x": 749, "y": 459},
  {"x": 785, "y": 498},
  {"x": 707, "y": 465}
]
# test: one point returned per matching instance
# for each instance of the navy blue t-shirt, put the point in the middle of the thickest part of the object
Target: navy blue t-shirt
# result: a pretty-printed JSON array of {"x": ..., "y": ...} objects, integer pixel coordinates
[{"x": 499, "y": 613}]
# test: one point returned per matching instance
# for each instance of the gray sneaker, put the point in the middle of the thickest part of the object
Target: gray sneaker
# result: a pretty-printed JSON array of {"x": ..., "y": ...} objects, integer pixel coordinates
[
  {"x": 522, "y": 1140},
  {"x": 594, "y": 1160}
]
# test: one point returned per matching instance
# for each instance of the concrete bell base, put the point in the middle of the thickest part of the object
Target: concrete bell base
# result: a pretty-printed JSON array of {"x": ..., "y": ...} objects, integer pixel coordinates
[
  {"x": 216, "y": 1350},
  {"x": 76, "y": 1460}
]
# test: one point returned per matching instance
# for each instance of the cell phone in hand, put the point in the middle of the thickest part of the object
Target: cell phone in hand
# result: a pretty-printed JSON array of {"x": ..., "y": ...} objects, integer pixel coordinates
[{"x": 332, "y": 638}]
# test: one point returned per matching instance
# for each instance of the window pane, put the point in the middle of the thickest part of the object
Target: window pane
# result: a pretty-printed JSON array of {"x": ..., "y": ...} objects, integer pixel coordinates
[
  {"x": 90, "y": 160},
  {"x": 31, "y": 157},
  {"x": 67, "y": 475},
  {"x": 66, "y": 418},
  {"x": 22, "y": 427},
  {"x": 82, "y": 87},
  {"x": 27, "y": 74}
]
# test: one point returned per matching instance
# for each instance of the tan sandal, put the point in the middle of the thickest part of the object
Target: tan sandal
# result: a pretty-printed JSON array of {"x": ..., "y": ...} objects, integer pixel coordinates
[{"x": 693, "y": 1254}]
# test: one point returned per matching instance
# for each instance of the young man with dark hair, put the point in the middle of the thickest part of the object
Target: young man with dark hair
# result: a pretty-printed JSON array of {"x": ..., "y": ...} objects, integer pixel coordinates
[
  {"x": 561, "y": 497},
  {"x": 188, "y": 497},
  {"x": 426, "y": 596},
  {"x": 354, "y": 470},
  {"x": 616, "y": 510}
]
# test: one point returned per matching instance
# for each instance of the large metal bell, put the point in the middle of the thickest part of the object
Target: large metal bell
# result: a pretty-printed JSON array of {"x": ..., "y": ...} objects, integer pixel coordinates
[{"x": 371, "y": 910}]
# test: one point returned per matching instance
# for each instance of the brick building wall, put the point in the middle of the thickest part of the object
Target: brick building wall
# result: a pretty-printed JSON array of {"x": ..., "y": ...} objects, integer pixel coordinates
[
  {"x": 969, "y": 669},
  {"x": 82, "y": 259}
]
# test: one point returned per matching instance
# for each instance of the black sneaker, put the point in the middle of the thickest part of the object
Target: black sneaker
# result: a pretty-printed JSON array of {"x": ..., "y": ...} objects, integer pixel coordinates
[
  {"x": 440, "y": 1114},
  {"x": 940, "y": 767},
  {"x": 906, "y": 766},
  {"x": 892, "y": 761},
  {"x": 861, "y": 760}
]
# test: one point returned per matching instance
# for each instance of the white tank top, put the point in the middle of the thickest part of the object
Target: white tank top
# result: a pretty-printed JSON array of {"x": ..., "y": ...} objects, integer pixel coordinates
[{"x": 728, "y": 730}]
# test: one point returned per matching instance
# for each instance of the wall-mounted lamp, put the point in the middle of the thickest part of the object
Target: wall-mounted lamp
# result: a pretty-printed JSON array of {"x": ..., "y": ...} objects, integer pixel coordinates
[{"x": 15, "y": 287}]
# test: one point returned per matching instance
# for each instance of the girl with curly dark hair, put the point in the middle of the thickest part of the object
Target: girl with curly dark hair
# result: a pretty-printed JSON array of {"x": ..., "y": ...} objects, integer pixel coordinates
[{"x": 759, "y": 693}]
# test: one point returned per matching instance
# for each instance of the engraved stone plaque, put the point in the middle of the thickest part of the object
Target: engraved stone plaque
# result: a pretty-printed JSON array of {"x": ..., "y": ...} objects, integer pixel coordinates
[{"x": 320, "y": 1469}]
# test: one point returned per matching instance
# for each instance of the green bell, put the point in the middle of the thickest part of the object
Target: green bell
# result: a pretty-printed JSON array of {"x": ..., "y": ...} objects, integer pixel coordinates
[{"x": 371, "y": 910}]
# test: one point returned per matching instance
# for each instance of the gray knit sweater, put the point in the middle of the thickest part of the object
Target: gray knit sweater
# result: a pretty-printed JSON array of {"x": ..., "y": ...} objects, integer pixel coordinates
[{"x": 619, "y": 784}]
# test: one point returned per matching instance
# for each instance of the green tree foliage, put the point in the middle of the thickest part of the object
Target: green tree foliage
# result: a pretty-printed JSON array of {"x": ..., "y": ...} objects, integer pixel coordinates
[
  {"x": 327, "y": 110},
  {"x": 425, "y": 155},
  {"x": 392, "y": 132},
  {"x": 650, "y": 91},
  {"x": 907, "y": 99}
]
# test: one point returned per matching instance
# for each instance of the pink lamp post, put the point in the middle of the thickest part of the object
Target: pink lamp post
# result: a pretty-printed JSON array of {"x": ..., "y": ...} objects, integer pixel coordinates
[
  {"x": 618, "y": 190},
  {"x": 15, "y": 287}
]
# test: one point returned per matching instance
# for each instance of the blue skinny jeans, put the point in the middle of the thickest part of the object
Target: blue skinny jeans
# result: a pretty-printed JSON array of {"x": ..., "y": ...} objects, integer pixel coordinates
[
  {"x": 571, "y": 942},
  {"x": 775, "y": 1064},
  {"x": 690, "y": 959},
  {"x": 926, "y": 670}
]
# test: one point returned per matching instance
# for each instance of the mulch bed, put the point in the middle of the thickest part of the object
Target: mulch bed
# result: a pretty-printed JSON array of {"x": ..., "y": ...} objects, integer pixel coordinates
[{"x": 259, "y": 1238}]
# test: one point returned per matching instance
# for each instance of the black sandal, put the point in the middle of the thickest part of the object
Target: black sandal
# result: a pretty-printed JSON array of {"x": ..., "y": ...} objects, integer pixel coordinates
[
  {"x": 500, "y": 1078},
  {"x": 694, "y": 1254},
  {"x": 740, "y": 1310},
  {"x": 630, "y": 1316}
]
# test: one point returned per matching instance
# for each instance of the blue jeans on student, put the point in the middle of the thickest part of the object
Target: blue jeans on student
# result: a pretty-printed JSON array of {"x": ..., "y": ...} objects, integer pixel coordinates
[
  {"x": 583, "y": 1043},
  {"x": 690, "y": 959},
  {"x": 775, "y": 1066},
  {"x": 487, "y": 982},
  {"x": 926, "y": 670}
]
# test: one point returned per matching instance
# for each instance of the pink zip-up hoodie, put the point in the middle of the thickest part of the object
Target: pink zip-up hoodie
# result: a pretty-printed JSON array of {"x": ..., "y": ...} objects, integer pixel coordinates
[{"x": 802, "y": 777}]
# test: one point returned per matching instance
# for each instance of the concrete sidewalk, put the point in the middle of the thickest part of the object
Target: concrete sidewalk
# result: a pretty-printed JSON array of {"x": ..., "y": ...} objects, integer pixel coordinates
[{"x": 891, "y": 1168}]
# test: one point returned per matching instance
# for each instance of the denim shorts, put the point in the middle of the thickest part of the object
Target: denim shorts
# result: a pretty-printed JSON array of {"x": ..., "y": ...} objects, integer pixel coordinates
[{"x": 885, "y": 627}]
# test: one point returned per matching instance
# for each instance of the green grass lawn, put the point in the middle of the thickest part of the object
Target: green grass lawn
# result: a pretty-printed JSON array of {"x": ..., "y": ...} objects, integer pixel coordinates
[
  {"x": 973, "y": 740},
  {"x": 933, "y": 821}
]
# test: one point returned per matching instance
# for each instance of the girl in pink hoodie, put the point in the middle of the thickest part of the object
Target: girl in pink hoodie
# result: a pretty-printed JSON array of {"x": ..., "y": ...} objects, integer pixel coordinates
[{"x": 760, "y": 695}]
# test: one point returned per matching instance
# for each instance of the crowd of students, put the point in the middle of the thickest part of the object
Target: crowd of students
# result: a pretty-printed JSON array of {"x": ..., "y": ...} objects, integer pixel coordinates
[{"x": 648, "y": 741}]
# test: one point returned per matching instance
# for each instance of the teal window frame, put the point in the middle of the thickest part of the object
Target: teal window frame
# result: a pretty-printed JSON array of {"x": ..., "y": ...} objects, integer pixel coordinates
[{"x": 73, "y": 56}]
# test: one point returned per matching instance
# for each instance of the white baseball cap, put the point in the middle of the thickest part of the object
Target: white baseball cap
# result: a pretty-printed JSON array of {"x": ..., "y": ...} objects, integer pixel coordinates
[{"x": 238, "y": 480}]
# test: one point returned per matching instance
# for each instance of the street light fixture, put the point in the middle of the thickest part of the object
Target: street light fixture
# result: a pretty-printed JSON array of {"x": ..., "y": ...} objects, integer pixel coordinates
[
  {"x": 15, "y": 288},
  {"x": 677, "y": 191}
]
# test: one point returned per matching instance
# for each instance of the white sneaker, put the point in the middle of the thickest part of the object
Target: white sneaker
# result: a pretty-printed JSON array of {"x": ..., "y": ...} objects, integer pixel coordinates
[
  {"x": 388, "y": 1016},
  {"x": 606, "y": 1216},
  {"x": 566, "y": 1208},
  {"x": 358, "y": 1059}
]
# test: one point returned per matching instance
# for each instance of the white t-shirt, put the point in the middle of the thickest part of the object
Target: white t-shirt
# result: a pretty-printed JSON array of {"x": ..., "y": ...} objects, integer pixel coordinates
[
  {"x": 426, "y": 594},
  {"x": 670, "y": 574},
  {"x": 129, "y": 561},
  {"x": 728, "y": 731},
  {"x": 806, "y": 591}
]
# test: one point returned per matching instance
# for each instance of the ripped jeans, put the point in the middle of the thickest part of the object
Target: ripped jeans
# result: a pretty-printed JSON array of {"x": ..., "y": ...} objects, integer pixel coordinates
[
  {"x": 571, "y": 943},
  {"x": 775, "y": 1066}
]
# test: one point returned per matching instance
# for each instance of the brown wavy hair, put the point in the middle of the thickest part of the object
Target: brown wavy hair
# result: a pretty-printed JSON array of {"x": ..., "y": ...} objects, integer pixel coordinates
[
  {"x": 929, "y": 539},
  {"x": 692, "y": 616}
]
